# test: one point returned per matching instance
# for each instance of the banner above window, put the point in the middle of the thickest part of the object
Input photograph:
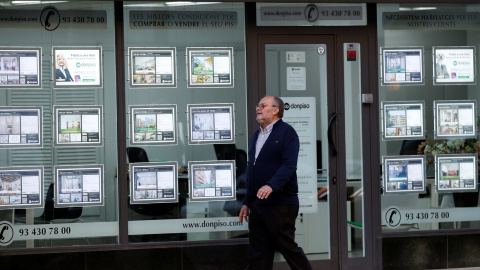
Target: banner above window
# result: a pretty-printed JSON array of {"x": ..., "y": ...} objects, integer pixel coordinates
[{"x": 310, "y": 14}]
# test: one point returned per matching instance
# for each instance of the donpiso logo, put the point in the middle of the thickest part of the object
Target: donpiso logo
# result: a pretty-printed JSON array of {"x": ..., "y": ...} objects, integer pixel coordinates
[{"x": 289, "y": 106}]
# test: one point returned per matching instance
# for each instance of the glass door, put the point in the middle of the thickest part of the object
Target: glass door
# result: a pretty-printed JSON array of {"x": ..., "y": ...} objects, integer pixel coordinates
[{"x": 327, "y": 115}]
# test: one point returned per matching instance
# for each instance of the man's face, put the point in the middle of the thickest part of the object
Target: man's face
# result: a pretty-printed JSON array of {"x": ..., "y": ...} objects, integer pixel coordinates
[
  {"x": 266, "y": 111},
  {"x": 61, "y": 60}
]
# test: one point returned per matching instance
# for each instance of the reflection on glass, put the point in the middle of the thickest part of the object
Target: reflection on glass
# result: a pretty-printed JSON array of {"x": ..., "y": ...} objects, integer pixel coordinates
[{"x": 353, "y": 150}]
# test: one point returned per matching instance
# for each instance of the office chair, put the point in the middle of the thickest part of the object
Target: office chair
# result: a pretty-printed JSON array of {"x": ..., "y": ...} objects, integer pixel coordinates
[
  {"x": 59, "y": 215},
  {"x": 54, "y": 215},
  {"x": 230, "y": 152},
  {"x": 410, "y": 147},
  {"x": 136, "y": 154},
  {"x": 150, "y": 210}
]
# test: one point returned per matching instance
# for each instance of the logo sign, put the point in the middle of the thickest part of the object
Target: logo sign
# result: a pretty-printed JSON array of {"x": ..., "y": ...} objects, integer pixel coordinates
[
  {"x": 321, "y": 50},
  {"x": 6, "y": 233},
  {"x": 302, "y": 14},
  {"x": 311, "y": 13},
  {"x": 50, "y": 18},
  {"x": 287, "y": 106},
  {"x": 393, "y": 217}
]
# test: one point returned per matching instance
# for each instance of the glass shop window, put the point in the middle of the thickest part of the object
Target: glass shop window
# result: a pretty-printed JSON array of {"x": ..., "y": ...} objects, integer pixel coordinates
[
  {"x": 429, "y": 93},
  {"x": 58, "y": 148},
  {"x": 187, "y": 126}
]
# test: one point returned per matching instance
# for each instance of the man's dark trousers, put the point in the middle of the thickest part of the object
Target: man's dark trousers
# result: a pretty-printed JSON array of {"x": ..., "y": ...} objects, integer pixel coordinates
[{"x": 272, "y": 227}]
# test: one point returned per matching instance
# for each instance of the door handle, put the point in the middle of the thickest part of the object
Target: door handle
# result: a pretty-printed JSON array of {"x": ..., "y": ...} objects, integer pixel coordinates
[
  {"x": 334, "y": 180},
  {"x": 330, "y": 140}
]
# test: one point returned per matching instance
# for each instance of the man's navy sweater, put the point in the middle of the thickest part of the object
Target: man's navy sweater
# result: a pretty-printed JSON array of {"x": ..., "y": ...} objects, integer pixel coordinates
[{"x": 276, "y": 166}]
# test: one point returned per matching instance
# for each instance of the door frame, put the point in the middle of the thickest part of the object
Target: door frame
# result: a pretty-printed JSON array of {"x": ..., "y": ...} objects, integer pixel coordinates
[
  {"x": 370, "y": 131},
  {"x": 328, "y": 40},
  {"x": 256, "y": 38}
]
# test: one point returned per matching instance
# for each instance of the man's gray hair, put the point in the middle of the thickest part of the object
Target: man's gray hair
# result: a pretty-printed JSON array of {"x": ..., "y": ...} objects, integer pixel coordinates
[{"x": 280, "y": 105}]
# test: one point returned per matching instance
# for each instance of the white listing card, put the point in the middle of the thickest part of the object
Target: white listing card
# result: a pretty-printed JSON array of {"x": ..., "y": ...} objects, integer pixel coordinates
[
  {"x": 454, "y": 65},
  {"x": 153, "y": 124},
  {"x": 79, "y": 185},
  {"x": 295, "y": 56},
  {"x": 211, "y": 123},
  {"x": 20, "y": 127},
  {"x": 455, "y": 119},
  {"x": 75, "y": 67},
  {"x": 402, "y": 66},
  {"x": 403, "y": 120},
  {"x": 152, "y": 67},
  {"x": 296, "y": 78},
  {"x": 153, "y": 182},
  {"x": 211, "y": 180},
  {"x": 404, "y": 174},
  {"x": 78, "y": 125},
  {"x": 21, "y": 187},
  {"x": 456, "y": 172}
]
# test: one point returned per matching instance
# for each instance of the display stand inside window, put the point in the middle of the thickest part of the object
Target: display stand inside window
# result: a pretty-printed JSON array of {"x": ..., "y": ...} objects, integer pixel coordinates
[
  {"x": 186, "y": 100},
  {"x": 449, "y": 93}
]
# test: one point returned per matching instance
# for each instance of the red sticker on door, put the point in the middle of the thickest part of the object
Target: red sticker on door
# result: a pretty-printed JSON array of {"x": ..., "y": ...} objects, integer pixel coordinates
[{"x": 351, "y": 53}]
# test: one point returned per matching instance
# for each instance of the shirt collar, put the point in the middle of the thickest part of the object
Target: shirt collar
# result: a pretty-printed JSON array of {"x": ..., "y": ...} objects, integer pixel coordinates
[{"x": 269, "y": 127}]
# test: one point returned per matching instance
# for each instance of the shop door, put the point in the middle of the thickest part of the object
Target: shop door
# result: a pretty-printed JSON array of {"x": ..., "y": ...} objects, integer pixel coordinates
[{"x": 319, "y": 79}]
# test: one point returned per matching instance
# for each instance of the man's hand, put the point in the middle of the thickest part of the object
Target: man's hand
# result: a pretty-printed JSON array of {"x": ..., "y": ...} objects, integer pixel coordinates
[
  {"x": 264, "y": 192},
  {"x": 244, "y": 212}
]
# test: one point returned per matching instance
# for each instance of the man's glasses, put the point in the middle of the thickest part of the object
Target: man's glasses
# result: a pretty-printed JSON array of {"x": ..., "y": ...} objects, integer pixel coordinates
[{"x": 263, "y": 106}]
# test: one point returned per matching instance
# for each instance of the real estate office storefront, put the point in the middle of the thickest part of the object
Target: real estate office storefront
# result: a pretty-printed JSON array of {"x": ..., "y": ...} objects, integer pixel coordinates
[{"x": 124, "y": 126}]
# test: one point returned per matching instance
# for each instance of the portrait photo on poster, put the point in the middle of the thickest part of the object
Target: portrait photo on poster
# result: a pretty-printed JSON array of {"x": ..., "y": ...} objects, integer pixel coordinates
[{"x": 77, "y": 67}]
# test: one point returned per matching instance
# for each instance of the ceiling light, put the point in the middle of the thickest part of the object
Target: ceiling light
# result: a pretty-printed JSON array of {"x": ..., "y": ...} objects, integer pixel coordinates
[
  {"x": 179, "y": 3},
  {"x": 416, "y": 8},
  {"x": 424, "y": 8},
  {"x": 189, "y": 3},
  {"x": 35, "y": 2}
]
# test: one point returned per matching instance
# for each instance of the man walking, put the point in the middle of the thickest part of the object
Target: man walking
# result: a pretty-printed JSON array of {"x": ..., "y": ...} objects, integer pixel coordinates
[{"x": 271, "y": 203}]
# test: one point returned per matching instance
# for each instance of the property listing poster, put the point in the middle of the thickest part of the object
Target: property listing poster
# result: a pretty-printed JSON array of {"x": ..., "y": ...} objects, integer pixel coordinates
[
  {"x": 456, "y": 172},
  {"x": 300, "y": 113},
  {"x": 212, "y": 181},
  {"x": 152, "y": 67},
  {"x": 210, "y": 67},
  {"x": 211, "y": 123},
  {"x": 153, "y": 124},
  {"x": 454, "y": 65},
  {"x": 77, "y": 67},
  {"x": 20, "y": 127},
  {"x": 455, "y": 119},
  {"x": 21, "y": 188},
  {"x": 78, "y": 185},
  {"x": 20, "y": 68},
  {"x": 403, "y": 121},
  {"x": 153, "y": 182},
  {"x": 404, "y": 174},
  {"x": 402, "y": 66},
  {"x": 77, "y": 125}
]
